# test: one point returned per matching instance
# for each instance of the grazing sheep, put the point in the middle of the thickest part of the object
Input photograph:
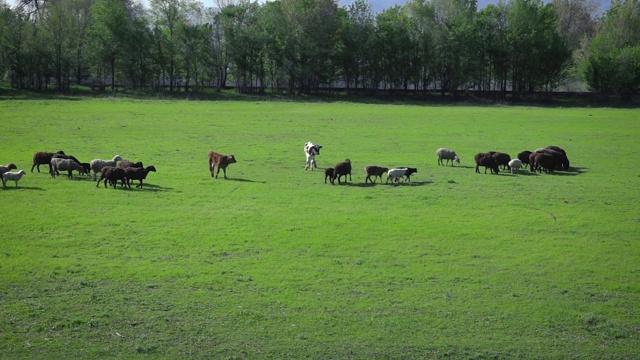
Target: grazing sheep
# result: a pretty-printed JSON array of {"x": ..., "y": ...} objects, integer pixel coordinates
[
  {"x": 341, "y": 169},
  {"x": 98, "y": 164},
  {"x": 221, "y": 161},
  {"x": 43, "y": 158},
  {"x": 15, "y": 176},
  {"x": 488, "y": 161},
  {"x": 501, "y": 159},
  {"x": 560, "y": 159},
  {"x": 524, "y": 157},
  {"x": 447, "y": 154},
  {"x": 328, "y": 174},
  {"x": 311, "y": 150},
  {"x": 128, "y": 163},
  {"x": 515, "y": 164},
  {"x": 135, "y": 173},
  {"x": 111, "y": 174},
  {"x": 375, "y": 171},
  {"x": 6, "y": 168},
  {"x": 564, "y": 160},
  {"x": 58, "y": 164}
]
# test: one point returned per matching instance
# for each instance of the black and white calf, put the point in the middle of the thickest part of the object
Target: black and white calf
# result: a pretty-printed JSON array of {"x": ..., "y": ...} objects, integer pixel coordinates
[{"x": 310, "y": 151}]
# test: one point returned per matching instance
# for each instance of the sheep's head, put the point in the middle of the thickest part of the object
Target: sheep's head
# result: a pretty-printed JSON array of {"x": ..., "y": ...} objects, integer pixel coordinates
[
  {"x": 456, "y": 159},
  {"x": 117, "y": 158},
  {"x": 22, "y": 172},
  {"x": 151, "y": 168},
  {"x": 231, "y": 159},
  {"x": 11, "y": 166}
]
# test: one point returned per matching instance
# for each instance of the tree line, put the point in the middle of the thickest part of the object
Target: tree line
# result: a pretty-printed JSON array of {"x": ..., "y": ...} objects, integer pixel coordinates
[{"x": 510, "y": 48}]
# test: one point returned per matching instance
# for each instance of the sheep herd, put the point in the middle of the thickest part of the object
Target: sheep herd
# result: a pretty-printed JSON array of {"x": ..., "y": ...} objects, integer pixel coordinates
[
  {"x": 548, "y": 159},
  {"x": 117, "y": 169},
  {"x": 110, "y": 171}
]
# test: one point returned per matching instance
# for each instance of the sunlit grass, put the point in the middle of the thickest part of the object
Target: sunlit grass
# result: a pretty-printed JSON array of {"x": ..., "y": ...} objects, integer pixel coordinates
[{"x": 273, "y": 263}]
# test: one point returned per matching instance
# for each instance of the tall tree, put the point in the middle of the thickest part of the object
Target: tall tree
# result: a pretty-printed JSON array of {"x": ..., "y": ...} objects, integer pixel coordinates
[{"x": 612, "y": 66}]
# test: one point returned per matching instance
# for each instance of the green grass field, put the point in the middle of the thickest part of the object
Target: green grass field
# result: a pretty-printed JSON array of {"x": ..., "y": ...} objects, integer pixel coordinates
[{"x": 274, "y": 264}]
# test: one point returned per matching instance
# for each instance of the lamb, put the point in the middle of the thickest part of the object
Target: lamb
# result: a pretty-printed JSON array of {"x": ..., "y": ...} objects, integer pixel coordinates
[
  {"x": 65, "y": 165},
  {"x": 98, "y": 164},
  {"x": 135, "y": 173},
  {"x": 515, "y": 164},
  {"x": 4, "y": 169},
  {"x": 43, "y": 158},
  {"x": 375, "y": 171},
  {"x": 111, "y": 174},
  {"x": 341, "y": 169},
  {"x": 447, "y": 154},
  {"x": 398, "y": 173},
  {"x": 328, "y": 174},
  {"x": 15, "y": 176},
  {"x": 488, "y": 161}
]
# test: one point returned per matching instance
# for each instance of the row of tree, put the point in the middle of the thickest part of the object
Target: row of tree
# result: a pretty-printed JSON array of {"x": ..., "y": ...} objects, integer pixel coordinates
[{"x": 302, "y": 46}]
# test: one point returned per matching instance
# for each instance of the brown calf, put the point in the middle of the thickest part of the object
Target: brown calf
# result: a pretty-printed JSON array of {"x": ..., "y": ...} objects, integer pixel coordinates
[{"x": 221, "y": 161}]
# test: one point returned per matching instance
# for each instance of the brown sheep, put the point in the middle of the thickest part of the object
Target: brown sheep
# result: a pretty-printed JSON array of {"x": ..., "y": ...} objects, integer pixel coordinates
[
  {"x": 43, "y": 158},
  {"x": 375, "y": 171}
]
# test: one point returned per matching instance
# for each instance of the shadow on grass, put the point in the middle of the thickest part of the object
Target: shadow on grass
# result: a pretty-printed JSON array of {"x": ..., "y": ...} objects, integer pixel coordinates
[
  {"x": 9, "y": 188},
  {"x": 246, "y": 180},
  {"x": 369, "y": 185}
]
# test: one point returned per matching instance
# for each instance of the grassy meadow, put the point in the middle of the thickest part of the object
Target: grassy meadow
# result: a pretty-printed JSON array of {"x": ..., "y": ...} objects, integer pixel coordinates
[{"x": 275, "y": 264}]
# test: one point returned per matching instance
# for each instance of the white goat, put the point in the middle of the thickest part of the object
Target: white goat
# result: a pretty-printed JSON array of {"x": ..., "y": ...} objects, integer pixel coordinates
[
  {"x": 98, "y": 164},
  {"x": 515, "y": 164},
  {"x": 15, "y": 176},
  {"x": 447, "y": 154}
]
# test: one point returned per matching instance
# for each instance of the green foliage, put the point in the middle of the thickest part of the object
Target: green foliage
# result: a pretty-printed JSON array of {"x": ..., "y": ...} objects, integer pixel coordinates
[
  {"x": 613, "y": 63},
  {"x": 273, "y": 263}
]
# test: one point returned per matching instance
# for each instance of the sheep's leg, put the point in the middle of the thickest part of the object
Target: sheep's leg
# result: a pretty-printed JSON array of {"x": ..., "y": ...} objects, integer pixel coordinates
[{"x": 212, "y": 169}]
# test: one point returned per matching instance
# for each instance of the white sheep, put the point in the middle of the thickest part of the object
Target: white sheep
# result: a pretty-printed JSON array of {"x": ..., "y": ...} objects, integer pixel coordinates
[
  {"x": 400, "y": 173},
  {"x": 4, "y": 169},
  {"x": 15, "y": 176},
  {"x": 447, "y": 154},
  {"x": 98, "y": 164},
  {"x": 515, "y": 164}
]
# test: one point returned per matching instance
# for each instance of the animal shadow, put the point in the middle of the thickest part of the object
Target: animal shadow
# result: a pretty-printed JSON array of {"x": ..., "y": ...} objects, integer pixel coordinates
[
  {"x": 10, "y": 188},
  {"x": 246, "y": 180}
]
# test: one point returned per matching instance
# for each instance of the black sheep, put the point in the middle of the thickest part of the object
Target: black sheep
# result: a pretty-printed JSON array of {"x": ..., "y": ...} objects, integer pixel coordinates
[
  {"x": 524, "y": 157},
  {"x": 111, "y": 174},
  {"x": 486, "y": 160},
  {"x": 134, "y": 173},
  {"x": 502, "y": 159},
  {"x": 342, "y": 169}
]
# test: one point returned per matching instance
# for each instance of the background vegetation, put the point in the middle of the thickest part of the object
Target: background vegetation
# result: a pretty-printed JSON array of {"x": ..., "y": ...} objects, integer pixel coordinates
[
  {"x": 449, "y": 46},
  {"x": 273, "y": 263}
]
